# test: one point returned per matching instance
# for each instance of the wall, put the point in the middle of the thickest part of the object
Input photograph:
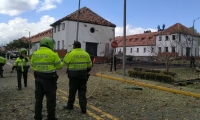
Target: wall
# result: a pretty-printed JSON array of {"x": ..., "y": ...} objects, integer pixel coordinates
[{"x": 101, "y": 35}]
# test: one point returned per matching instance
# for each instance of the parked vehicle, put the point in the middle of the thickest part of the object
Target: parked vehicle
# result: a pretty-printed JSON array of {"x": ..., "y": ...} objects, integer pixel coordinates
[{"x": 14, "y": 54}]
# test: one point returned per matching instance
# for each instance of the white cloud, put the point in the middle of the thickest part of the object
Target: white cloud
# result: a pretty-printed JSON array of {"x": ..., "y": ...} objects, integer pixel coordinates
[
  {"x": 131, "y": 30},
  {"x": 16, "y": 7},
  {"x": 19, "y": 27},
  {"x": 48, "y": 4}
]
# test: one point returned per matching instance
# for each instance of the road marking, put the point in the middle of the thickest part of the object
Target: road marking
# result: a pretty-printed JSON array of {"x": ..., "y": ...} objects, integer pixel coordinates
[
  {"x": 88, "y": 111},
  {"x": 151, "y": 86},
  {"x": 95, "y": 108}
]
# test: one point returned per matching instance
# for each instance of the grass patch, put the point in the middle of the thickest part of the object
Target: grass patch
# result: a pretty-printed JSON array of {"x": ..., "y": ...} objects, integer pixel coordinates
[{"x": 184, "y": 73}]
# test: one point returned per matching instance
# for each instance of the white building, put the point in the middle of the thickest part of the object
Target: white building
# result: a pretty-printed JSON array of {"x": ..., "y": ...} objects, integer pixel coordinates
[
  {"x": 94, "y": 32},
  {"x": 177, "y": 39}
]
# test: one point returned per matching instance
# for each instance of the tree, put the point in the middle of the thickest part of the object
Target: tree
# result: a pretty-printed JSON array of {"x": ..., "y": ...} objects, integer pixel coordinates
[
  {"x": 17, "y": 44},
  {"x": 166, "y": 51}
]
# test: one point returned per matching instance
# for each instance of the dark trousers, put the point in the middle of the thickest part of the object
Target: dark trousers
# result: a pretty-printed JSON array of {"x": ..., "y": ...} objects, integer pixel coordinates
[
  {"x": 192, "y": 63},
  {"x": 111, "y": 65},
  {"x": 47, "y": 88},
  {"x": 1, "y": 71},
  {"x": 78, "y": 83},
  {"x": 19, "y": 77}
]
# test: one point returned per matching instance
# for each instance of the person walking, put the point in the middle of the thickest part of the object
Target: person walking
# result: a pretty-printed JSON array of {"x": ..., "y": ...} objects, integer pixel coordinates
[
  {"x": 79, "y": 65},
  {"x": 113, "y": 64},
  {"x": 2, "y": 63},
  {"x": 45, "y": 62},
  {"x": 22, "y": 65},
  {"x": 192, "y": 61}
]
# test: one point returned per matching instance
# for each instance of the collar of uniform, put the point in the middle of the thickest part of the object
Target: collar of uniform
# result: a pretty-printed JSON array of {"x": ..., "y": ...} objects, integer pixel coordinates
[
  {"x": 45, "y": 48},
  {"x": 77, "y": 49}
]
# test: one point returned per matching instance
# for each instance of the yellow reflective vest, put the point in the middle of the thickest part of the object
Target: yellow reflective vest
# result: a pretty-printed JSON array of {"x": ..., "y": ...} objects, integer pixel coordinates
[
  {"x": 45, "y": 60},
  {"x": 77, "y": 60},
  {"x": 2, "y": 60},
  {"x": 22, "y": 64}
]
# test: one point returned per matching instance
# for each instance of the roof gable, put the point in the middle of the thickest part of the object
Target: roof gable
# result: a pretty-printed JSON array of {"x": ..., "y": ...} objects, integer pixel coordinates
[
  {"x": 86, "y": 16},
  {"x": 179, "y": 28}
]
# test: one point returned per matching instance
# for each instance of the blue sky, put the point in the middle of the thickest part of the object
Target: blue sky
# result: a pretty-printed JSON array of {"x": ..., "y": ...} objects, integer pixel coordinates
[{"x": 20, "y": 16}]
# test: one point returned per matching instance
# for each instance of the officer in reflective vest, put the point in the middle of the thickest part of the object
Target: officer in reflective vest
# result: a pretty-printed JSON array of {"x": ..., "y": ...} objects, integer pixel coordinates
[
  {"x": 2, "y": 63},
  {"x": 22, "y": 65},
  {"x": 78, "y": 66},
  {"x": 45, "y": 62}
]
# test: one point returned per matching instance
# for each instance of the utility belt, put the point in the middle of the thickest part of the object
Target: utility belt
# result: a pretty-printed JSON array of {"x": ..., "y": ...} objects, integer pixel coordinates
[{"x": 46, "y": 76}]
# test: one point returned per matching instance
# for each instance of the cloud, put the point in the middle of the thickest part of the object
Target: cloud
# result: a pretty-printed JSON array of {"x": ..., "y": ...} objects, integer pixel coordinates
[
  {"x": 130, "y": 30},
  {"x": 48, "y": 4},
  {"x": 20, "y": 27},
  {"x": 16, "y": 7}
]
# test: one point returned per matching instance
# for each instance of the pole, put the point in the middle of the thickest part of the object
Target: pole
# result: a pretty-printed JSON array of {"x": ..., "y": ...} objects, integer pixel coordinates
[
  {"x": 124, "y": 42},
  {"x": 78, "y": 21},
  {"x": 193, "y": 34},
  {"x": 29, "y": 44}
]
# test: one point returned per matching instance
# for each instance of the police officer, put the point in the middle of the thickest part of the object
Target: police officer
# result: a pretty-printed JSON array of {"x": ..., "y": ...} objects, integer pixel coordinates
[
  {"x": 79, "y": 65},
  {"x": 44, "y": 63},
  {"x": 2, "y": 63},
  {"x": 22, "y": 65}
]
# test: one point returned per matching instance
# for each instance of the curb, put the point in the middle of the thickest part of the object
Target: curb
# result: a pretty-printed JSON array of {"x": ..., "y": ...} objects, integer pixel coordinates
[{"x": 151, "y": 86}]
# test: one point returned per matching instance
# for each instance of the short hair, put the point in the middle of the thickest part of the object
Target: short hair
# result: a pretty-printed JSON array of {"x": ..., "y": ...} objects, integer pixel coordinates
[{"x": 77, "y": 44}]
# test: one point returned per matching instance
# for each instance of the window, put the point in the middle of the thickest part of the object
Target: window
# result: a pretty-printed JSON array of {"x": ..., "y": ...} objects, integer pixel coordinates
[
  {"x": 160, "y": 38},
  {"x": 137, "y": 50},
  {"x": 144, "y": 50},
  {"x": 54, "y": 29},
  {"x": 173, "y": 37},
  {"x": 152, "y": 50},
  {"x": 131, "y": 50},
  {"x": 92, "y": 30},
  {"x": 63, "y": 45},
  {"x": 173, "y": 49},
  {"x": 63, "y": 26},
  {"x": 59, "y": 27},
  {"x": 166, "y": 49},
  {"x": 58, "y": 47},
  {"x": 166, "y": 38},
  {"x": 159, "y": 49}
]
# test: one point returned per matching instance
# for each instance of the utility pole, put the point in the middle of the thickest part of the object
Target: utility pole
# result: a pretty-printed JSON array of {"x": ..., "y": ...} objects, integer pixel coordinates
[
  {"x": 29, "y": 44},
  {"x": 78, "y": 21},
  {"x": 124, "y": 42},
  {"x": 193, "y": 34}
]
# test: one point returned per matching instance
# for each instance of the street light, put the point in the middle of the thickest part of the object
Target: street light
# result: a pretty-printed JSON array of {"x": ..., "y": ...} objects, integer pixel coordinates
[
  {"x": 193, "y": 32},
  {"x": 78, "y": 20},
  {"x": 28, "y": 42}
]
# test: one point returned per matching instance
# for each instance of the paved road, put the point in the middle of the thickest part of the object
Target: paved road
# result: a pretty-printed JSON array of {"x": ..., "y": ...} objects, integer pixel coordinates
[{"x": 107, "y": 99}]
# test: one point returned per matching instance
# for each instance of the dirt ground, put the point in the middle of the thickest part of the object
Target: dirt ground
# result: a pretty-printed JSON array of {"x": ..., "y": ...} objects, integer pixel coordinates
[{"x": 107, "y": 99}]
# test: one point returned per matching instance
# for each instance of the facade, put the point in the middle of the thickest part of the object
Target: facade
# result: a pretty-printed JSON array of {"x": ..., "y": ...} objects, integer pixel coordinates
[
  {"x": 94, "y": 32},
  {"x": 35, "y": 39},
  {"x": 177, "y": 39}
]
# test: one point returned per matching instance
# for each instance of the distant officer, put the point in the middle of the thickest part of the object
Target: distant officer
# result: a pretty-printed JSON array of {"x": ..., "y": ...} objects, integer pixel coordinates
[
  {"x": 44, "y": 63},
  {"x": 2, "y": 63},
  {"x": 79, "y": 65},
  {"x": 22, "y": 65}
]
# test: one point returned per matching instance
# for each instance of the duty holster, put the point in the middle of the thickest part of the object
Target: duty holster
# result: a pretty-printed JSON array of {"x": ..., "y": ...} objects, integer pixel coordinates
[{"x": 55, "y": 78}]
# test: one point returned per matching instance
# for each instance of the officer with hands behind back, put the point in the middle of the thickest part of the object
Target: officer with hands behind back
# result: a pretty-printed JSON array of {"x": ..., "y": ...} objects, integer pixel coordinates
[
  {"x": 22, "y": 65},
  {"x": 78, "y": 66},
  {"x": 45, "y": 62}
]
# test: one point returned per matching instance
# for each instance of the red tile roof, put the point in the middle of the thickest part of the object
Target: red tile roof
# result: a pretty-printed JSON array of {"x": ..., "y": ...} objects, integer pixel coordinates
[
  {"x": 39, "y": 36},
  {"x": 86, "y": 16},
  {"x": 138, "y": 39},
  {"x": 150, "y": 38},
  {"x": 178, "y": 28}
]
